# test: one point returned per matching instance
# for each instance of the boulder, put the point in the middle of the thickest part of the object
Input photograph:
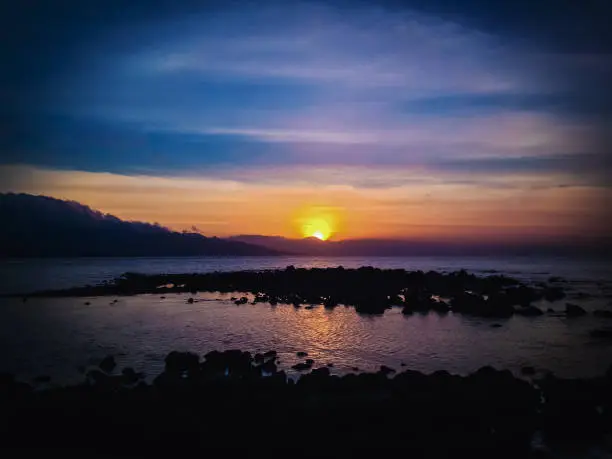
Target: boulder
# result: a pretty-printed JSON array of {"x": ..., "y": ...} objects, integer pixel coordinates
[
  {"x": 301, "y": 366},
  {"x": 178, "y": 362},
  {"x": 529, "y": 311},
  {"x": 268, "y": 366},
  {"x": 321, "y": 372},
  {"x": 301, "y": 354},
  {"x": 554, "y": 294},
  {"x": 107, "y": 364},
  {"x": 603, "y": 313},
  {"x": 385, "y": 370},
  {"x": 528, "y": 370},
  {"x": 129, "y": 375},
  {"x": 601, "y": 333},
  {"x": 270, "y": 355},
  {"x": 573, "y": 310}
]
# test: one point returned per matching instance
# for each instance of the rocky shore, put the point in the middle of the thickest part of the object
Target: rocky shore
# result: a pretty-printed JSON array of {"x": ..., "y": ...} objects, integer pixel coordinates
[
  {"x": 369, "y": 290},
  {"x": 233, "y": 399}
]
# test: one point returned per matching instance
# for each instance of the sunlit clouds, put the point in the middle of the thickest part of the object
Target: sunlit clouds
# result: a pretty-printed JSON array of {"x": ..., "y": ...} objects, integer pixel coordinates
[
  {"x": 422, "y": 209},
  {"x": 313, "y": 119}
]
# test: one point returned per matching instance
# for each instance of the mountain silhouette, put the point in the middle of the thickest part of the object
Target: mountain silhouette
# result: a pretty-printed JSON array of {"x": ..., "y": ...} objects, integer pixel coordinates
[
  {"x": 40, "y": 226},
  {"x": 407, "y": 248}
]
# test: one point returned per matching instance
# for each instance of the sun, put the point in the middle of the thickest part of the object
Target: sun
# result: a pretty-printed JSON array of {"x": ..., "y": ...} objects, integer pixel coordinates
[
  {"x": 318, "y": 235},
  {"x": 317, "y": 227}
]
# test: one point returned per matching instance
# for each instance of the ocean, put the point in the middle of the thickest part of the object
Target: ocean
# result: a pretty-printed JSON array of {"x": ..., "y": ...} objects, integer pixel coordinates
[{"x": 63, "y": 337}]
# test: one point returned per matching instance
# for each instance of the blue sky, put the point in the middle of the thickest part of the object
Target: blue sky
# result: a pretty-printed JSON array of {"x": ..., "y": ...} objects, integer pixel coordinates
[{"x": 365, "y": 95}]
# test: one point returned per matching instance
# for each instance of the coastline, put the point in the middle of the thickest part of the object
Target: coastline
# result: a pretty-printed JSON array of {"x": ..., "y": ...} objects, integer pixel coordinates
[
  {"x": 234, "y": 399},
  {"x": 369, "y": 290}
]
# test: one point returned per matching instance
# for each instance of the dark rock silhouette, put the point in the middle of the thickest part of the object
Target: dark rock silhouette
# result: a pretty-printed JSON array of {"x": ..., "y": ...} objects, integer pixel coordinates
[
  {"x": 603, "y": 313},
  {"x": 530, "y": 311},
  {"x": 302, "y": 366},
  {"x": 196, "y": 405},
  {"x": 573, "y": 310},
  {"x": 369, "y": 290},
  {"x": 108, "y": 364},
  {"x": 602, "y": 333}
]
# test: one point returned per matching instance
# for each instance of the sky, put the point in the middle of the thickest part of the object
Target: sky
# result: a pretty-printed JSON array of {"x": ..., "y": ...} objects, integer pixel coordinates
[{"x": 478, "y": 119}]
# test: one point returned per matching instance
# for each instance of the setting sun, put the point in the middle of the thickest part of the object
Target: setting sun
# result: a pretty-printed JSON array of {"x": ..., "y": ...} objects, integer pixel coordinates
[
  {"x": 318, "y": 235},
  {"x": 318, "y": 228}
]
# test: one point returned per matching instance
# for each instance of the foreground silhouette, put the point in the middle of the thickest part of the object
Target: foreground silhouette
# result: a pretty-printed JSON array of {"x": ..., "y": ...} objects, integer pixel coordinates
[{"x": 233, "y": 399}]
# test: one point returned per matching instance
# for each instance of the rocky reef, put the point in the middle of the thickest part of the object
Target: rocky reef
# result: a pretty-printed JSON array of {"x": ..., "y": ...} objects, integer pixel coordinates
[
  {"x": 369, "y": 290},
  {"x": 233, "y": 399}
]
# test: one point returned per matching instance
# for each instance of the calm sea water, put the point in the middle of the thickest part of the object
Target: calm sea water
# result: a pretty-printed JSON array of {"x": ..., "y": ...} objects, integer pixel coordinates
[{"x": 63, "y": 336}]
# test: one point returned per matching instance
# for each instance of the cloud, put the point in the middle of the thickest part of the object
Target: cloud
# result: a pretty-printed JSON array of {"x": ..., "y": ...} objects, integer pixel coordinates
[{"x": 223, "y": 205}]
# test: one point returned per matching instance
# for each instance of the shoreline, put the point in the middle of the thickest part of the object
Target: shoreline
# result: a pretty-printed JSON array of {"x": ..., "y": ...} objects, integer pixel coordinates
[
  {"x": 369, "y": 290},
  {"x": 236, "y": 399}
]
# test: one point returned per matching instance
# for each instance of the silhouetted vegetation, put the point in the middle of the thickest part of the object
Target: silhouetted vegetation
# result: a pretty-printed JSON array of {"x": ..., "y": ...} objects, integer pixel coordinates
[{"x": 39, "y": 226}]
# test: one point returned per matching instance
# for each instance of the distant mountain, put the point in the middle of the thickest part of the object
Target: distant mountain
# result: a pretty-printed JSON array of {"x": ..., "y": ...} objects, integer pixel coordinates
[
  {"x": 40, "y": 226},
  {"x": 389, "y": 247}
]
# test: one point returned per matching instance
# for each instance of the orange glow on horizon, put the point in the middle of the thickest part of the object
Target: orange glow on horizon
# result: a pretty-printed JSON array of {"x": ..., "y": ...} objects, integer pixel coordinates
[
  {"x": 317, "y": 222},
  {"x": 519, "y": 210}
]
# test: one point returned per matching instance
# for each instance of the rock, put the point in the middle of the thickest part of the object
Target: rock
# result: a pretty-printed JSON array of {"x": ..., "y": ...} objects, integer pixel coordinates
[
  {"x": 601, "y": 333},
  {"x": 107, "y": 364},
  {"x": 178, "y": 362},
  {"x": 603, "y": 313},
  {"x": 554, "y": 294},
  {"x": 528, "y": 370},
  {"x": 309, "y": 307},
  {"x": 268, "y": 366},
  {"x": 190, "y": 300},
  {"x": 309, "y": 361},
  {"x": 321, "y": 372},
  {"x": 87, "y": 303},
  {"x": 301, "y": 366},
  {"x": 496, "y": 325},
  {"x": 555, "y": 279},
  {"x": 573, "y": 310},
  {"x": 301, "y": 354},
  {"x": 233, "y": 361},
  {"x": 330, "y": 365},
  {"x": 550, "y": 311},
  {"x": 242, "y": 300},
  {"x": 162, "y": 297},
  {"x": 385, "y": 370},
  {"x": 259, "y": 358},
  {"x": 355, "y": 368},
  {"x": 97, "y": 376},
  {"x": 269, "y": 355},
  {"x": 129, "y": 375},
  {"x": 402, "y": 364},
  {"x": 529, "y": 311}
]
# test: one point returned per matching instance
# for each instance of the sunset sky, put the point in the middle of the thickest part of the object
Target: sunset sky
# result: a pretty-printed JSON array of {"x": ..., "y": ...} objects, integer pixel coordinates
[{"x": 388, "y": 119}]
